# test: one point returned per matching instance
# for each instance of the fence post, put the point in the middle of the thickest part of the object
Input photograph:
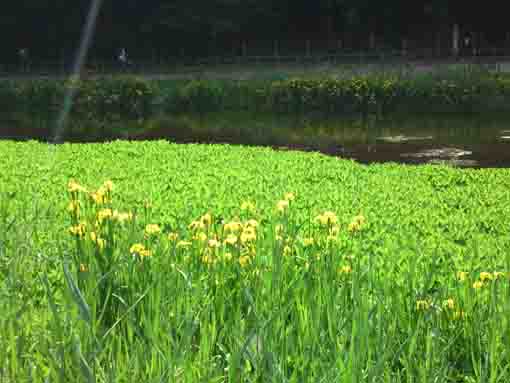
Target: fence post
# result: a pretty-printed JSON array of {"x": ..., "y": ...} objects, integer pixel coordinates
[{"x": 455, "y": 38}]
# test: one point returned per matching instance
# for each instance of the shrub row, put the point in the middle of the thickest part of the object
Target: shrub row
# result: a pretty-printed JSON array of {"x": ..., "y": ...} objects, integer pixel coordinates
[
  {"x": 101, "y": 99},
  {"x": 363, "y": 94},
  {"x": 134, "y": 98}
]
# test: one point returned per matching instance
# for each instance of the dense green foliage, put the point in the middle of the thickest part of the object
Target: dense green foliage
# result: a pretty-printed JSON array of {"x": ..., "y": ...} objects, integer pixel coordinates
[
  {"x": 131, "y": 98},
  {"x": 107, "y": 99},
  {"x": 414, "y": 289}
]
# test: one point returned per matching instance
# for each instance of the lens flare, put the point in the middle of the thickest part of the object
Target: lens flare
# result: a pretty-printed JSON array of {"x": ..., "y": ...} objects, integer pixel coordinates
[{"x": 81, "y": 55}]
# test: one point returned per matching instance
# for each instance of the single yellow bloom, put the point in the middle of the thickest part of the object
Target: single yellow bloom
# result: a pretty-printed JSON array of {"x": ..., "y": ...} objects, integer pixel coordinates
[
  {"x": 137, "y": 248},
  {"x": 75, "y": 187},
  {"x": 145, "y": 253},
  {"x": 200, "y": 237},
  {"x": 422, "y": 304},
  {"x": 232, "y": 227},
  {"x": 214, "y": 243},
  {"x": 74, "y": 207},
  {"x": 334, "y": 230},
  {"x": 252, "y": 223},
  {"x": 287, "y": 250},
  {"x": 206, "y": 219},
  {"x": 345, "y": 269},
  {"x": 108, "y": 186},
  {"x": 208, "y": 259},
  {"x": 289, "y": 196},
  {"x": 247, "y": 206},
  {"x": 248, "y": 235},
  {"x": 356, "y": 224},
  {"x": 99, "y": 197},
  {"x": 462, "y": 276},
  {"x": 173, "y": 236},
  {"x": 140, "y": 249},
  {"x": 485, "y": 276},
  {"x": 327, "y": 218},
  {"x": 122, "y": 217},
  {"x": 308, "y": 242},
  {"x": 78, "y": 230},
  {"x": 244, "y": 260},
  {"x": 449, "y": 303},
  {"x": 231, "y": 239},
  {"x": 183, "y": 244},
  {"x": 196, "y": 225},
  {"x": 104, "y": 214},
  {"x": 152, "y": 229},
  {"x": 83, "y": 268},
  {"x": 478, "y": 285},
  {"x": 282, "y": 205}
]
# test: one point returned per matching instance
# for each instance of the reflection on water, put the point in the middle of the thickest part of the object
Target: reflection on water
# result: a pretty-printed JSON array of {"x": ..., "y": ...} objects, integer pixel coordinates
[{"x": 469, "y": 140}]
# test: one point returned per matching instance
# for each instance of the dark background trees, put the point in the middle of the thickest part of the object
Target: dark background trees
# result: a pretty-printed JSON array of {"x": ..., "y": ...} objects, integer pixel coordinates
[{"x": 52, "y": 28}]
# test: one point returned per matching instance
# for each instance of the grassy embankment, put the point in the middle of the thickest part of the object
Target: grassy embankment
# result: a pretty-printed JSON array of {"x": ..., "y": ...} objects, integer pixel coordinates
[{"x": 211, "y": 271}]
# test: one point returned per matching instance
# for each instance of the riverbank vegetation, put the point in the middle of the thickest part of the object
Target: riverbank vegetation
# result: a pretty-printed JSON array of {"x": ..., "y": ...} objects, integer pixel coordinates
[{"x": 124, "y": 98}]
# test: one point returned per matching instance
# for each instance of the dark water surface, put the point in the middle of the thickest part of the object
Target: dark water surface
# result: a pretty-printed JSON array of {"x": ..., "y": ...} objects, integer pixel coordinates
[{"x": 464, "y": 141}]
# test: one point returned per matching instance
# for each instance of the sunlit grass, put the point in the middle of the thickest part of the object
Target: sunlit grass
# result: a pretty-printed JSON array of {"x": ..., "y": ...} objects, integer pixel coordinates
[{"x": 160, "y": 262}]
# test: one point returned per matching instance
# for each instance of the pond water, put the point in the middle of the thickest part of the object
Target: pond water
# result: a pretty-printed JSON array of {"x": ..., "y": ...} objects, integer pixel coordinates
[{"x": 463, "y": 141}]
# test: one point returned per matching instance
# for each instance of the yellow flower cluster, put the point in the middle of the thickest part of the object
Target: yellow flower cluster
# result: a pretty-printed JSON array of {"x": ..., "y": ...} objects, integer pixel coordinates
[
  {"x": 327, "y": 218},
  {"x": 484, "y": 278},
  {"x": 102, "y": 195},
  {"x": 78, "y": 230},
  {"x": 356, "y": 224}
]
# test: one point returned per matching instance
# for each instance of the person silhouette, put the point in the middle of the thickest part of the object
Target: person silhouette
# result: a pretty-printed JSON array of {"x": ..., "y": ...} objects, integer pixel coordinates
[
  {"x": 23, "y": 58},
  {"x": 123, "y": 59}
]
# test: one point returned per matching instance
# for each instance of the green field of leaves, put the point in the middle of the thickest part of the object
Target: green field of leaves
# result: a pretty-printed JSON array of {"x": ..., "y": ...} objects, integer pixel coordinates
[{"x": 159, "y": 262}]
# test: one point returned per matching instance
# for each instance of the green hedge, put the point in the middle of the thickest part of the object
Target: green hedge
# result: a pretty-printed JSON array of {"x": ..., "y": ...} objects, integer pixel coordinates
[
  {"x": 127, "y": 98},
  {"x": 101, "y": 99},
  {"x": 377, "y": 94}
]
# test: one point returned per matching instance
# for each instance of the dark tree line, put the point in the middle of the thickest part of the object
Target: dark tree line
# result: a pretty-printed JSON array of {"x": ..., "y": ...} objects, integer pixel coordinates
[{"x": 52, "y": 28}]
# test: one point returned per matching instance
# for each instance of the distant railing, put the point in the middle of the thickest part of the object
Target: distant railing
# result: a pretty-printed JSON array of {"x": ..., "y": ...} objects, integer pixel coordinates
[{"x": 490, "y": 58}]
